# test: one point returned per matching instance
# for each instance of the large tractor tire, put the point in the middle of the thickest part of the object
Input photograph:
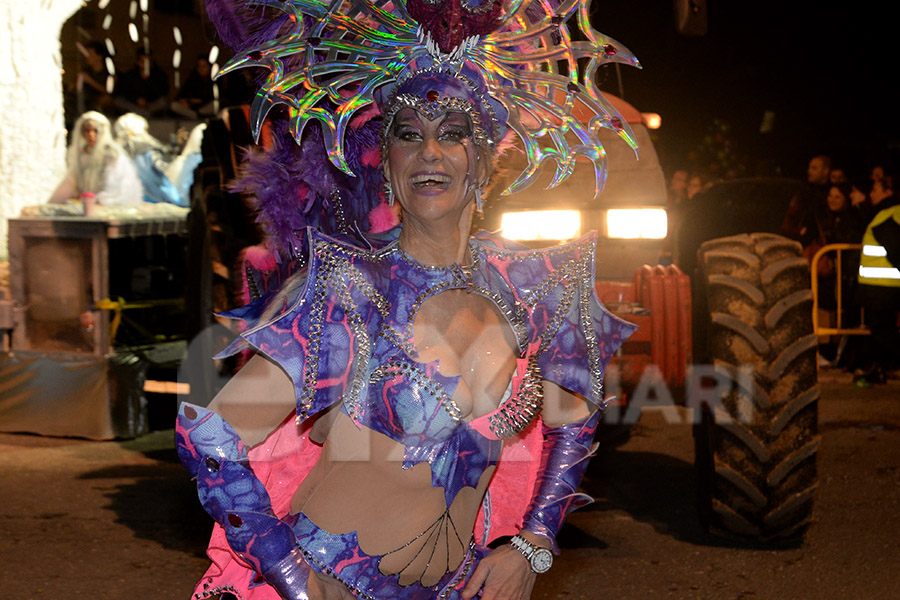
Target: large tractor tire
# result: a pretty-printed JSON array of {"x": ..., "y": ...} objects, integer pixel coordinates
[{"x": 756, "y": 448}]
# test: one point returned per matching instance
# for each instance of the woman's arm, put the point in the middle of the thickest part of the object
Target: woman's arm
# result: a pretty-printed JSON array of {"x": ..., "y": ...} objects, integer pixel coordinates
[
  {"x": 256, "y": 400},
  {"x": 67, "y": 188},
  {"x": 569, "y": 425},
  {"x": 562, "y": 407}
]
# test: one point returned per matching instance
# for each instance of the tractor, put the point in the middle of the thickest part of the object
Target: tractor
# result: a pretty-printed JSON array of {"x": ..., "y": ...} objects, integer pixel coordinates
[{"x": 725, "y": 324}]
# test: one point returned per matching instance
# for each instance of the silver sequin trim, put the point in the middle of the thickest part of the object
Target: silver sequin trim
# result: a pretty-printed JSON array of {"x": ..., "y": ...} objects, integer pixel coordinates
[{"x": 520, "y": 410}]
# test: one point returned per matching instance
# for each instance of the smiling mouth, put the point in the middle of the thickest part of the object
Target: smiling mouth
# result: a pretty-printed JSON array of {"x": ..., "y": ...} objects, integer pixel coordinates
[{"x": 430, "y": 181}]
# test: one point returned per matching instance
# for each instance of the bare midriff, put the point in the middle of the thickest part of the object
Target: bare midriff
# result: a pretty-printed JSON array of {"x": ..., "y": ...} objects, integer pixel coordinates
[{"x": 359, "y": 484}]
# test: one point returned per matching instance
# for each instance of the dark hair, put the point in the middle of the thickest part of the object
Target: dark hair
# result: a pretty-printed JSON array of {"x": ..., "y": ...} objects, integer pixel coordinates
[
  {"x": 826, "y": 160},
  {"x": 845, "y": 188},
  {"x": 98, "y": 47}
]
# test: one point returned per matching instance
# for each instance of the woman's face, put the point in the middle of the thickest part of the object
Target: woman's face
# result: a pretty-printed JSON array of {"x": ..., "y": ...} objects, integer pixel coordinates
[
  {"x": 878, "y": 192},
  {"x": 877, "y": 173},
  {"x": 678, "y": 183},
  {"x": 694, "y": 185},
  {"x": 203, "y": 68},
  {"x": 431, "y": 164},
  {"x": 836, "y": 200},
  {"x": 89, "y": 133}
]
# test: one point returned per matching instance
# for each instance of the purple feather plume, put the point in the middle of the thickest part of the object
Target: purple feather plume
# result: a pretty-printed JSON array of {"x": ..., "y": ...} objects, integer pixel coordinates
[{"x": 296, "y": 186}]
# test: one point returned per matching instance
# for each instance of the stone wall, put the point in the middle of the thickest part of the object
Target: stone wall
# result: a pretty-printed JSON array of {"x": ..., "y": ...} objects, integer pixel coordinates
[{"x": 32, "y": 131}]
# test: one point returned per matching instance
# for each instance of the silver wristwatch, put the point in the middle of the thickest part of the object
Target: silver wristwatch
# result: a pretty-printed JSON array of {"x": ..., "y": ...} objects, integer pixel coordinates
[{"x": 539, "y": 558}]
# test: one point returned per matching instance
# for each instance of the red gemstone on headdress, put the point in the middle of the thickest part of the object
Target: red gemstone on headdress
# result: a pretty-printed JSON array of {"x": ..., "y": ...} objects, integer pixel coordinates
[
  {"x": 616, "y": 122},
  {"x": 609, "y": 49},
  {"x": 190, "y": 413},
  {"x": 432, "y": 95},
  {"x": 255, "y": 55},
  {"x": 235, "y": 520}
]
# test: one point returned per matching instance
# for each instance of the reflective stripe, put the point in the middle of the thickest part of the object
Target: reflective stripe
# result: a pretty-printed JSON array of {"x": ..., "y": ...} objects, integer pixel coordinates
[
  {"x": 869, "y": 250},
  {"x": 879, "y": 272}
]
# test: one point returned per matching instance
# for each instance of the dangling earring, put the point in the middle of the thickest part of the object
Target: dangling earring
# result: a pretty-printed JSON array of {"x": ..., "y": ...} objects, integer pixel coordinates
[
  {"x": 472, "y": 187},
  {"x": 389, "y": 193},
  {"x": 479, "y": 192}
]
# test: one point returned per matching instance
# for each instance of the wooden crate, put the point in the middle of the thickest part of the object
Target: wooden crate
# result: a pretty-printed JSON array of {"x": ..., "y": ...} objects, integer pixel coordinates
[
  {"x": 63, "y": 375},
  {"x": 59, "y": 270}
]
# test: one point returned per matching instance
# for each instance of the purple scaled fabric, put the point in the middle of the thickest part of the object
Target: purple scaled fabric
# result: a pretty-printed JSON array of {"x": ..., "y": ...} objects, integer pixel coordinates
[
  {"x": 563, "y": 463},
  {"x": 228, "y": 490},
  {"x": 289, "y": 577}
]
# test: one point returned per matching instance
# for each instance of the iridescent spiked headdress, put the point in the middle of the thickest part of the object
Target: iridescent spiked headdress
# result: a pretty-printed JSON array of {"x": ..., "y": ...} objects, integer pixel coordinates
[{"x": 514, "y": 65}]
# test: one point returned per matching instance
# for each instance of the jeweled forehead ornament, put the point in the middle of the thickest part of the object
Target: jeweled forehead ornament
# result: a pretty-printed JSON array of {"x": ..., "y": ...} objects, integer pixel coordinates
[
  {"x": 513, "y": 65},
  {"x": 434, "y": 88}
]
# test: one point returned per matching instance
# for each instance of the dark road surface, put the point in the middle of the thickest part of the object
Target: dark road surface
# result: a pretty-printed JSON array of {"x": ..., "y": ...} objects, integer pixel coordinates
[{"x": 120, "y": 520}]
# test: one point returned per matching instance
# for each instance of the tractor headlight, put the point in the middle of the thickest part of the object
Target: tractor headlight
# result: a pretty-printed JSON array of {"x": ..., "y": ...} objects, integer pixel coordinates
[
  {"x": 636, "y": 223},
  {"x": 541, "y": 225}
]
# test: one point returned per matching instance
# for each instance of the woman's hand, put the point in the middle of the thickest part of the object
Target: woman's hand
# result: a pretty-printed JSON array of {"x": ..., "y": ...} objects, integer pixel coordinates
[{"x": 504, "y": 574}]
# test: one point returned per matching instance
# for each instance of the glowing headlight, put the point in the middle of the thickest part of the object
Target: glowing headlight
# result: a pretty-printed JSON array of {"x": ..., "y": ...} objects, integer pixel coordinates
[
  {"x": 541, "y": 225},
  {"x": 633, "y": 223},
  {"x": 652, "y": 120}
]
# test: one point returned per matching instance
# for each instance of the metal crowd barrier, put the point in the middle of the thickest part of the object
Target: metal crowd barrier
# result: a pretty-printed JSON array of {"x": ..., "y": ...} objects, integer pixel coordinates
[{"x": 814, "y": 271}]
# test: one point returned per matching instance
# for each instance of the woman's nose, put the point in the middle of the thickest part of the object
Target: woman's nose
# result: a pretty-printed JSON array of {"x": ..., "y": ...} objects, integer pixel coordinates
[{"x": 431, "y": 149}]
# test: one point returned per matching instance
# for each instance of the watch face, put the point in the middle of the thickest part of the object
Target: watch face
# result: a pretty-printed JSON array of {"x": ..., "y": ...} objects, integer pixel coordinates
[{"x": 541, "y": 560}]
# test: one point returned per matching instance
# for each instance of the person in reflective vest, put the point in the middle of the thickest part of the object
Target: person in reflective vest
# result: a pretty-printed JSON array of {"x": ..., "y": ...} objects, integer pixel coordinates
[{"x": 879, "y": 285}]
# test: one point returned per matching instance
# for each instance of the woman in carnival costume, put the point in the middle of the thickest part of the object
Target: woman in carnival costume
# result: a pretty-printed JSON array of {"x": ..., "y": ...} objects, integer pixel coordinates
[
  {"x": 150, "y": 158},
  {"x": 417, "y": 395},
  {"x": 96, "y": 166}
]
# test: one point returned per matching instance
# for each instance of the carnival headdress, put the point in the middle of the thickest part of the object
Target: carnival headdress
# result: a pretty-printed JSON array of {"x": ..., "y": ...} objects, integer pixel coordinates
[{"x": 516, "y": 66}]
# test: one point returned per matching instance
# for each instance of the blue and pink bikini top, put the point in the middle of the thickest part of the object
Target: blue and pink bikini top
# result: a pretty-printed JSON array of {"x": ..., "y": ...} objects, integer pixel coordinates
[{"x": 345, "y": 335}]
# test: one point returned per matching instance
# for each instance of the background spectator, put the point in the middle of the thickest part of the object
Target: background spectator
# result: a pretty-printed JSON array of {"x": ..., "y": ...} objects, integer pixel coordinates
[
  {"x": 800, "y": 220},
  {"x": 676, "y": 195},
  {"x": 677, "y": 190},
  {"x": 840, "y": 223},
  {"x": 88, "y": 91},
  {"x": 143, "y": 89},
  {"x": 881, "y": 197},
  {"x": 879, "y": 284},
  {"x": 195, "y": 99},
  {"x": 837, "y": 175},
  {"x": 876, "y": 174},
  {"x": 696, "y": 183}
]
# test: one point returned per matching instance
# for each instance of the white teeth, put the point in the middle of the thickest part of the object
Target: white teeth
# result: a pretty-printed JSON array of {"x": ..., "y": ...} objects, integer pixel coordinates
[{"x": 430, "y": 178}]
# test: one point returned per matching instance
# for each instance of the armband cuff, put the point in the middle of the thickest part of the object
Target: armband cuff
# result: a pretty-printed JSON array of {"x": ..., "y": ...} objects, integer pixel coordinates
[{"x": 564, "y": 459}]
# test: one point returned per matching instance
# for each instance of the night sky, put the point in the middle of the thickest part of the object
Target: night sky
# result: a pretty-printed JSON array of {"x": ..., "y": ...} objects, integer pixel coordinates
[{"x": 826, "y": 70}]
